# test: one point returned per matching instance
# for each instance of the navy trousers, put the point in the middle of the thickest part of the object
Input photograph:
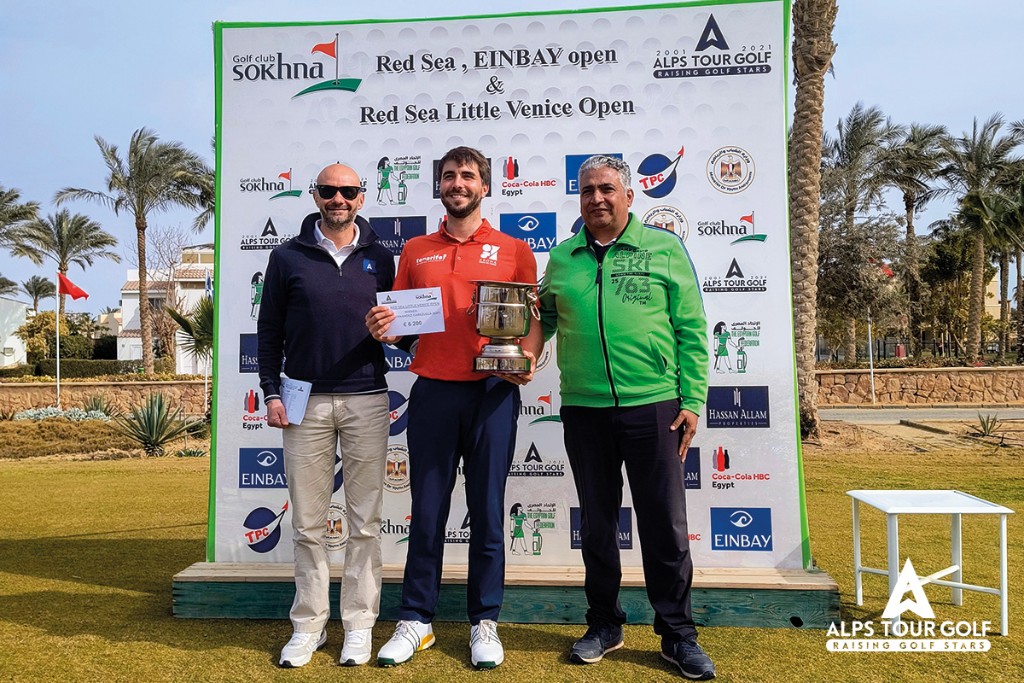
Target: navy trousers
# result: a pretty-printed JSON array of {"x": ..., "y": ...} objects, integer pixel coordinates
[
  {"x": 598, "y": 441},
  {"x": 448, "y": 421}
]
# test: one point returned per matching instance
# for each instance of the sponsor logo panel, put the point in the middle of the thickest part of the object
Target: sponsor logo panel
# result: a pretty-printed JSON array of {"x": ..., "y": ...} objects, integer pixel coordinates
[
  {"x": 625, "y": 528},
  {"x": 396, "y": 469},
  {"x": 738, "y": 407},
  {"x": 536, "y": 229},
  {"x": 261, "y": 468},
  {"x": 262, "y": 528},
  {"x": 533, "y": 464},
  {"x": 714, "y": 55},
  {"x": 528, "y": 524},
  {"x": 656, "y": 174},
  {"x": 691, "y": 468},
  {"x": 730, "y": 169},
  {"x": 728, "y": 473},
  {"x": 731, "y": 343},
  {"x": 394, "y": 231},
  {"x": 263, "y": 240},
  {"x": 742, "y": 529},
  {"x": 734, "y": 281},
  {"x": 668, "y": 218},
  {"x": 247, "y": 361}
]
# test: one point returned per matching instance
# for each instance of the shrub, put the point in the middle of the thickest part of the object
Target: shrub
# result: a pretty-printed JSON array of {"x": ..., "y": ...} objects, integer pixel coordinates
[
  {"x": 73, "y": 414},
  {"x": 101, "y": 404},
  {"x": 191, "y": 453},
  {"x": 18, "y": 371},
  {"x": 153, "y": 424},
  {"x": 105, "y": 348}
]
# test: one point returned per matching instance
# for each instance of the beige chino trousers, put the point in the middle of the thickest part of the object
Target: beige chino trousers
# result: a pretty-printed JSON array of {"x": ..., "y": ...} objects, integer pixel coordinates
[{"x": 359, "y": 423}]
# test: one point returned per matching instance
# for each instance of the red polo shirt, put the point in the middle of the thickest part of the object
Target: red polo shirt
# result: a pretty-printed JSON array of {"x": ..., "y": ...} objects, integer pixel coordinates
[{"x": 439, "y": 260}]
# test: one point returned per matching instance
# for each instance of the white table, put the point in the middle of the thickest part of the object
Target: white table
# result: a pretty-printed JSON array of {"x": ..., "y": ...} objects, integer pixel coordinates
[{"x": 938, "y": 502}]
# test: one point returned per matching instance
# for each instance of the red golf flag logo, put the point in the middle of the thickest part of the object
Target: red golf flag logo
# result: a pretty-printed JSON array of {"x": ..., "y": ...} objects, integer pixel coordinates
[
  {"x": 330, "y": 49},
  {"x": 337, "y": 83},
  {"x": 66, "y": 286}
]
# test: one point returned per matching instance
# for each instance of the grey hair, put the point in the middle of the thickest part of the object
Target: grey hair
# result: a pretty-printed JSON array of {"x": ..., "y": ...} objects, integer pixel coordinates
[{"x": 603, "y": 161}]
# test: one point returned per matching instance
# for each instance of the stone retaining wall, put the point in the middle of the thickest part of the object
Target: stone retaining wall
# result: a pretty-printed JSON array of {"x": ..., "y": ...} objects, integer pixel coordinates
[
  {"x": 922, "y": 386},
  {"x": 123, "y": 395}
]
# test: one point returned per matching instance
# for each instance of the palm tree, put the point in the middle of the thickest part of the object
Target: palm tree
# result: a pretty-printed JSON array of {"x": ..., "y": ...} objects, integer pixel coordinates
[
  {"x": 12, "y": 212},
  {"x": 7, "y": 286},
  {"x": 854, "y": 155},
  {"x": 38, "y": 288},
  {"x": 976, "y": 165},
  {"x": 910, "y": 164},
  {"x": 66, "y": 239},
  {"x": 813, "y": 49},
  {"x": 154, "y": 176}
]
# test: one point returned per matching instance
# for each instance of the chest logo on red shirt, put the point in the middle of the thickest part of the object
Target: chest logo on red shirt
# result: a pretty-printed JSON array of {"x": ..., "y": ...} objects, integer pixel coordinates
[
  {"x": 434, "y": 258},
  {"x": 489, "y": 254}
]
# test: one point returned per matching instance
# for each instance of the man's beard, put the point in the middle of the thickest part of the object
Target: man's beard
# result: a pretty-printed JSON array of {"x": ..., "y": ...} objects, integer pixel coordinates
[
  {"x": 455, "y": 212},
  {"x": 335, "y": 224}
]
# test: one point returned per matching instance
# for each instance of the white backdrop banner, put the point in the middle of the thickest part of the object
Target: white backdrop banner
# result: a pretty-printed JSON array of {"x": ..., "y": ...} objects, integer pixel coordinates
[{"x": 692, "y": 96}]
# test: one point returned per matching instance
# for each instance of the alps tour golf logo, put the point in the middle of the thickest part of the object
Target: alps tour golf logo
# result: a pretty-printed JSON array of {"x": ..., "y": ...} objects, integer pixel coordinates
[
  {"x": 262, "y": 240},
  {"x": 274, "y": 66},
  {"x": 715, "y": 54},
  {"x": 925, "y": 634}
]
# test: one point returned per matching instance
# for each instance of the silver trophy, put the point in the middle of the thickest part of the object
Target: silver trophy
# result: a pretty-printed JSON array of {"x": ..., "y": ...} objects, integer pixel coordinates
[{"x": 503, "y": 311}]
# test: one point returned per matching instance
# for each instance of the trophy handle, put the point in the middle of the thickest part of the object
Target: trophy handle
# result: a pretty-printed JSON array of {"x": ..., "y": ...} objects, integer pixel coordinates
[
  {"x": 532, "y": 301},
  {"x": 472, "y": 307}
]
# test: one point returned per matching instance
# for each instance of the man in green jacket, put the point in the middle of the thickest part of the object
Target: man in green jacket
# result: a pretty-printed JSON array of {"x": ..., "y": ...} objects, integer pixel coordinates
[{"x": 633, "y": 357}]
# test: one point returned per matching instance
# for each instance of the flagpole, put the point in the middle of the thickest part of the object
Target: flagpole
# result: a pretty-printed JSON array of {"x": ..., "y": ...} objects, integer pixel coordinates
[
  {"x": 336, "y": 58},
  {"x": 56, "y": 316}
]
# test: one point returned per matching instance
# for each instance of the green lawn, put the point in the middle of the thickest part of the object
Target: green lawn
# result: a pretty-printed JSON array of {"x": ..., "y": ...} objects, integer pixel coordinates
[{"x": 89, "y": 548}]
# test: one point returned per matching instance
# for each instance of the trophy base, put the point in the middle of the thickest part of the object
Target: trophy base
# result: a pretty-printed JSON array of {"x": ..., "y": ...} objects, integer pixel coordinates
[{"x": 512, "y": 364}]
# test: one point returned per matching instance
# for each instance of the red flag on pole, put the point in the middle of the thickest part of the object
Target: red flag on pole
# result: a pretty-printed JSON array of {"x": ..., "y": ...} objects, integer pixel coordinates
[
  {"x": 287, "y": 175},
  {"x": 66, "y": 286},
  {"x": 328, "y": 49}
]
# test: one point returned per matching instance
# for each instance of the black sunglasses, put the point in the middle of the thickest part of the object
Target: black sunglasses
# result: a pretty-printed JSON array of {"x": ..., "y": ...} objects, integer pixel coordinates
[{"x": 349, "y": 192}]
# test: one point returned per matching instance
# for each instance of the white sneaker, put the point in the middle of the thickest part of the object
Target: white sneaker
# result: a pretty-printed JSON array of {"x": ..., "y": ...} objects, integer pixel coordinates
[
  {"x": 410, "y": 637},
  {"x": 356, "y": 649},
  {"x": 485, "y": 648},
  {"x": 301, "y": 647}
]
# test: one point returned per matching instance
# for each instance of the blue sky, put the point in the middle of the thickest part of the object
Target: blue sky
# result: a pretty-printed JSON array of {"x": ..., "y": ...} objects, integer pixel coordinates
[{"x": 73, "y": 69}]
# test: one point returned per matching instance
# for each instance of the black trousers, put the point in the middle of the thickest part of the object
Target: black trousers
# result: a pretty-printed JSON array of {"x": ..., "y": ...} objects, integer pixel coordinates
[{"x": 598, "y": 441}]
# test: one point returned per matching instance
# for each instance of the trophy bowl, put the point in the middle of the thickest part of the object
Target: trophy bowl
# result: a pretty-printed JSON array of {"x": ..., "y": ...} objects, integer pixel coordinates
[{"x": 503, "y": 311}]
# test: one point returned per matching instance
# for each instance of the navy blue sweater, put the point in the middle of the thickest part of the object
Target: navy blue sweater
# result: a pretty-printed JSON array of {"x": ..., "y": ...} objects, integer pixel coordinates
[{"x": 312, "y": 315}]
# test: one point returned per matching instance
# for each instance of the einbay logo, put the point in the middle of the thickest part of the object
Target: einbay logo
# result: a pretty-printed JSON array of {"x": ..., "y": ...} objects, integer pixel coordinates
[
  {"x": 910, "y": 636},
  {"x": 274, "y": 67}
]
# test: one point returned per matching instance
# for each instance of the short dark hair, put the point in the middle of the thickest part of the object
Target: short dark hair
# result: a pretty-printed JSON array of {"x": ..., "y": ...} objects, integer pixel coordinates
[{"x": 464, "y": 155}]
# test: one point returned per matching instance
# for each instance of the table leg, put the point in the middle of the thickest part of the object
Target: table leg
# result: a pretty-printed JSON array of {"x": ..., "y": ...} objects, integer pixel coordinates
[
  {"x": 858, "y": 577},
  {"x": 1003, "y": 613},
  {"x": 892, "y": 530},
  {"x": 957, "y": 558}
]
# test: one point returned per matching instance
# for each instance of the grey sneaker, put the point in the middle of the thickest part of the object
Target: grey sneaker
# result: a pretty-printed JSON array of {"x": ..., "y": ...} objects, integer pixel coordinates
[
  {"x": 595, "y": 643},
  {"x": 300, "y": 648},
  {"x": 691, "y": 659}
]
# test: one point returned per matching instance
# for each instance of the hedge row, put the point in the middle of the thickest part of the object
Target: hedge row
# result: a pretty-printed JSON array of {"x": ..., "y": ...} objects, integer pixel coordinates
[{"x": 74, "y": 368}]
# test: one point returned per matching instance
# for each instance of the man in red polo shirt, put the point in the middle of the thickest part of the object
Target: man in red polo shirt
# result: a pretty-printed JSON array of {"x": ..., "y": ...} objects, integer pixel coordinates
[{"x": 455, "y": 412}]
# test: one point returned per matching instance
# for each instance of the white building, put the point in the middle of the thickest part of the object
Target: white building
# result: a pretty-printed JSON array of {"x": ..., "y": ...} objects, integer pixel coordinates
[
  {"x": 13, "y": 315},
  {"x": 181, "y": 289}
]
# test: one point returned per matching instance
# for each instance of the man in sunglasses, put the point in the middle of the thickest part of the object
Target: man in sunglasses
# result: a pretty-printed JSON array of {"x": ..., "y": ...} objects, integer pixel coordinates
[
  {"x": 456, "y": 413},
  {"x": 317, "y": 289}
]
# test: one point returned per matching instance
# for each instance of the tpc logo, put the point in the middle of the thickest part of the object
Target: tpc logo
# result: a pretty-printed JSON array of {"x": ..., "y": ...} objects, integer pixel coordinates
[
  {"x": 536, "y": 229},
  {"x": 394, "y": 231},
  {"x": 741, "y": 529},
  {"x": 657, "y": 174},
  {"x": 572, "y": 169},
  {"x": 398, "y": 411},
  {"x": 625, "y": 528},
  {"x": 263, "y": 528}
]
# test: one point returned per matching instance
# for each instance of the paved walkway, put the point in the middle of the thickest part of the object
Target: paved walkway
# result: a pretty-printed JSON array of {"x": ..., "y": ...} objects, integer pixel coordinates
[{"x": 868, "y": 416}]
